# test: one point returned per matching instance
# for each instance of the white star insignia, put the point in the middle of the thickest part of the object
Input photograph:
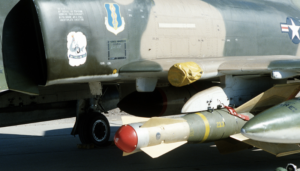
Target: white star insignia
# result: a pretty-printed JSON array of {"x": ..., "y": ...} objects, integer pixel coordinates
[{"x": 295, "y": 29}]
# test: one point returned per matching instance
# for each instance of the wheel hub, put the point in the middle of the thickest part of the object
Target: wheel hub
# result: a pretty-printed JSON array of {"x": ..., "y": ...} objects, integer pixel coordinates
[{"x": 99, "y": 130}]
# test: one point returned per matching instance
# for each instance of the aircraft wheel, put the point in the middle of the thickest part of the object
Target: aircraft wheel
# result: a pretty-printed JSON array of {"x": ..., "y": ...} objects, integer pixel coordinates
[
  {"x": 291, "y": 167},
  {"x": 99, "y": 129},
  {"x": 94, "y": 128},
  {"x": 83, "y": 129}
]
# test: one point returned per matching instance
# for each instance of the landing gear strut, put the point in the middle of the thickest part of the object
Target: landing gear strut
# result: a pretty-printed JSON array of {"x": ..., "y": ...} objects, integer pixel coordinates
[{"x": 94, "y": 128}]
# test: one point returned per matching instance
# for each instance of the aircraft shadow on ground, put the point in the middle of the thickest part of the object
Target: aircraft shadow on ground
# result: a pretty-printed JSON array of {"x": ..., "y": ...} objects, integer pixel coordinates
[
  {"x": 59, "y": 147},
  {"x": 54, "y": 132}
]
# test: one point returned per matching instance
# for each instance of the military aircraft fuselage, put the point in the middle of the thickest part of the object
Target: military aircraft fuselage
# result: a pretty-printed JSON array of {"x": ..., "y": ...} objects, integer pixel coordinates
[
  {"x": 85, "y": 40},
  {"x": 160, "y": 29},
  {"x": 66, "y": 58}
]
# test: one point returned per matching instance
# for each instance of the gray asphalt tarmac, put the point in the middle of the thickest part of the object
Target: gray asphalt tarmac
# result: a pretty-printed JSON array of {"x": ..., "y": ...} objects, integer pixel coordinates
[{"x": 49, "y": 146}]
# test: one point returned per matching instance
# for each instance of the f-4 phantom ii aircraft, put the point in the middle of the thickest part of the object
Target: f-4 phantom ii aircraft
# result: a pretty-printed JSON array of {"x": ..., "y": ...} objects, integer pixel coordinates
[{"x": 154, "y": 58}]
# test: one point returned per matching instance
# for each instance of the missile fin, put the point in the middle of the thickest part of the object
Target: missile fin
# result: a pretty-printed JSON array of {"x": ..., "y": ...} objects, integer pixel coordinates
[
  {"x": 127, "y": 154},
  {"x": 273, "y": 96},
  {"x": 279, "y": 150},
  {"x": 156, "y": 121},
  {"x": 161, "y": 149},
  {"x": 239, "y": 137},
  {"x": 133, "y": 119}
]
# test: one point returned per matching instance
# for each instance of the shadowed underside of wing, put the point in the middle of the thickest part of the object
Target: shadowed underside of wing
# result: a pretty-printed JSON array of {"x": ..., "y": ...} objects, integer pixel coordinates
[{"x": 279, "y": 66}]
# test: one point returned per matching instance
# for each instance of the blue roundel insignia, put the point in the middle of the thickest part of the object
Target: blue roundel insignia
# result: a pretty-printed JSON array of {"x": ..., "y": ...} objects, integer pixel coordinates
[
  {"x": 114, "y": 21},
  {"x": 291, "y": 27}
]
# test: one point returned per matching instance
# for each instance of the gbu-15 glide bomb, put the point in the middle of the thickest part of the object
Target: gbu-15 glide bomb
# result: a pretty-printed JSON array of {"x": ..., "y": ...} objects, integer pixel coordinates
[
  {"x": 160, "y": 135},
  {"x": 279, "y": 124}
]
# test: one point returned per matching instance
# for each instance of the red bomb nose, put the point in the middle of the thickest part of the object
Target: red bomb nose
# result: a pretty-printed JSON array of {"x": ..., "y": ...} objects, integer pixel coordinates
[{"x": 126, "y": 139}]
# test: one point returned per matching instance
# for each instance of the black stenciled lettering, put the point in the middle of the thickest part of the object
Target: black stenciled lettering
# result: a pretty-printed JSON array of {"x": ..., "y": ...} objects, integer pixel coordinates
[{"x": 292, "y": 108}]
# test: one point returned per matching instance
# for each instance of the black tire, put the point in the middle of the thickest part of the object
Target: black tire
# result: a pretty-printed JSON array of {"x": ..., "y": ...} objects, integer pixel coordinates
[
  {"x": 94, "y": 128},
  {"x": 99, "y": 129},
  {"x": 291, "y": 167},
  {"x": 83, "y": 127}
]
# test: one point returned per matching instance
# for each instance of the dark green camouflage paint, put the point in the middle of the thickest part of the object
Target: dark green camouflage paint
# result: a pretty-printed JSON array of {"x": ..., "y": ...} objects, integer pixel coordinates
[
  {"x": 252, "y": 26},
  {"x": 256, "y": 25},
  {"x": 93, "y": 27}
]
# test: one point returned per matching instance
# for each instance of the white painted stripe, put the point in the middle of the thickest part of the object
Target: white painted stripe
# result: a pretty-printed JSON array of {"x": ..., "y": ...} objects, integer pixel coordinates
[
  {"x": 284, "y": 27},
  {"x": 176, "y": 25}
]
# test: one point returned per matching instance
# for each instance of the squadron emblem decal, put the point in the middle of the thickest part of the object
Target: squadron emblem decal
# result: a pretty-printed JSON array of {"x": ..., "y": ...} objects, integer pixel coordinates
[
  {"x": 114, "y": 21},
  {"x": 291, "y": 27},
  {"x": 77, "y": 53}
]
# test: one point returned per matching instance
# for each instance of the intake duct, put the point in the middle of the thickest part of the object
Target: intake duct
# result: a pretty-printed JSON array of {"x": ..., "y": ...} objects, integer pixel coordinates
[{"x": 24, "y": 60}]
